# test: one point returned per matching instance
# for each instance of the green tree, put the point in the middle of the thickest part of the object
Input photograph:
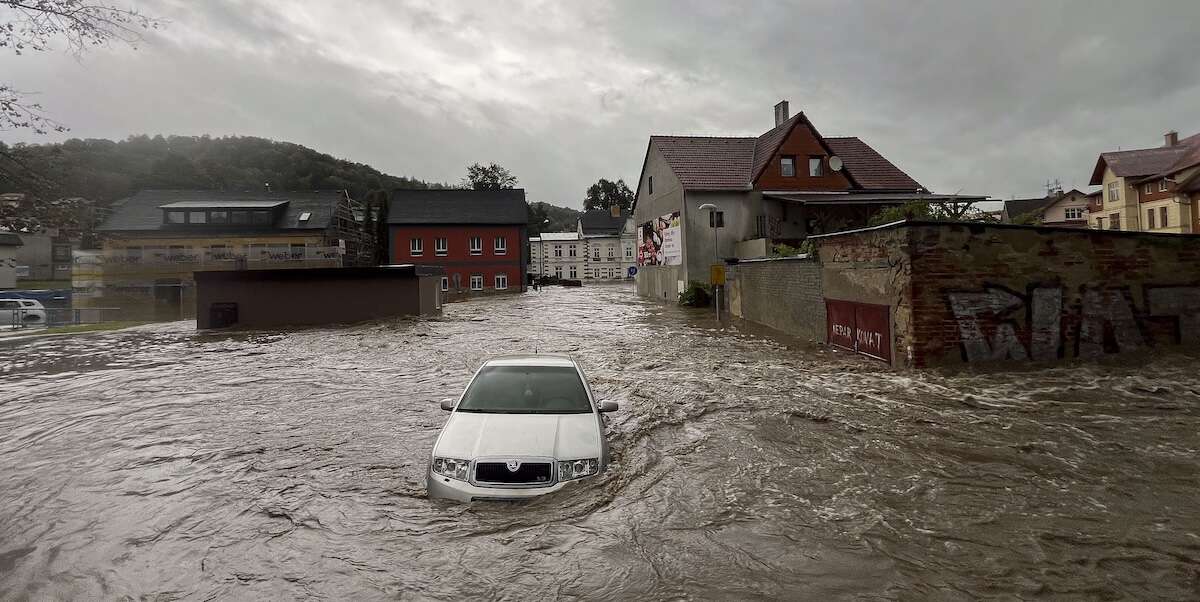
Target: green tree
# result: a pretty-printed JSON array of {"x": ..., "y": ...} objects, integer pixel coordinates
[
  {"x": 606, "y": 193},
  {"x": 491, "y": 177},
  {"x": 940, "y": 211}
]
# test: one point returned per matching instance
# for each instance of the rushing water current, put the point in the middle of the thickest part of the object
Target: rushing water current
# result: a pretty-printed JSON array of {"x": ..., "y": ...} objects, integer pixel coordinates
[{"x": 162, "y": 463}]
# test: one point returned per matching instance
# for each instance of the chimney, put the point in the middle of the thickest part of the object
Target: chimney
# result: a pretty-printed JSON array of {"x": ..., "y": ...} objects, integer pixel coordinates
[
  {"x": 781, "y": 113},
  {"x": 1171, "y": 138},
  {"x": 614, "y": 210}
]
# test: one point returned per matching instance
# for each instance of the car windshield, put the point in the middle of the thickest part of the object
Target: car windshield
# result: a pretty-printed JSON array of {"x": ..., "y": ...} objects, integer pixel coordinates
[{"x": 526, "y": 390}]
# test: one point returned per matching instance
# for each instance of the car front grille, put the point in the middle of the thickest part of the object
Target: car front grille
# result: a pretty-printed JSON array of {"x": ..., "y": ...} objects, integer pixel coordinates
[{"x": 529, "y": 473}]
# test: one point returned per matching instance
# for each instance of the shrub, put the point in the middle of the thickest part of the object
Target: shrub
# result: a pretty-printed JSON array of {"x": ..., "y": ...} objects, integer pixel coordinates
[{"x": 696, "y": 295}]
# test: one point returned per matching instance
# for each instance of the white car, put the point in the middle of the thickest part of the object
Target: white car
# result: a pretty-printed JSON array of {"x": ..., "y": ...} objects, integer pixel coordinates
[
  {"x": 526, "y": 425},
  {"x": 21, "y": 312}
]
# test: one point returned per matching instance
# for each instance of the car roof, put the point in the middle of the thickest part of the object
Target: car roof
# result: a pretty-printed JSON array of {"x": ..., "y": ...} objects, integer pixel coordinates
[{"x": 532, "y": 359}]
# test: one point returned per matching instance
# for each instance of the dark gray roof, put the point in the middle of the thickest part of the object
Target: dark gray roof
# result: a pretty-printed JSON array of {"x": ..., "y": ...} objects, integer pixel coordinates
[
  {"x": 234, "y": 204},
  {"x": 1015, "y": 208},
  {"x": 458, "y": 207},
  {"x": 599, "y": 221},
  {"x": 9, "y": 239},
  {"x": 143, "y": 212}
]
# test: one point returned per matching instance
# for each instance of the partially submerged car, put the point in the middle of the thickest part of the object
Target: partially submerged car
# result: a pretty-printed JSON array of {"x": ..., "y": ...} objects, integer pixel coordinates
[
  {"x": 525, "y": 426},
  {"x": 21, "y": 312}
]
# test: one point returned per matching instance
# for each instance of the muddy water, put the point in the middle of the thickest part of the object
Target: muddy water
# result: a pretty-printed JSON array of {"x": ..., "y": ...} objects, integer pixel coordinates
[{"x": 158, "y": 462}]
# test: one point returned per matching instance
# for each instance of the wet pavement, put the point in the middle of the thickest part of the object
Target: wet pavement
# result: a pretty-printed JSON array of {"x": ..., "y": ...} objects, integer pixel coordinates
[{"x": 160, "y": 463}]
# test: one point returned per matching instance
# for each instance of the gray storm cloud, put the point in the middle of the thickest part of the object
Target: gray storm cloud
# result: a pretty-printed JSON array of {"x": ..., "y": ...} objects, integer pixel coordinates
[{"x": 986, "y": 98}]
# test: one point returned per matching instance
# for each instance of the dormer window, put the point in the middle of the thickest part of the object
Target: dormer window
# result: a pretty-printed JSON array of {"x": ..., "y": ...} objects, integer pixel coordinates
[
  {"x": 1162, "y": 185},
  {"x": 197, "y": 217},
  {"x": 176, "y": 217},
  {"x": 304, "y": 217},
  {"x": 787, "y": 166}
]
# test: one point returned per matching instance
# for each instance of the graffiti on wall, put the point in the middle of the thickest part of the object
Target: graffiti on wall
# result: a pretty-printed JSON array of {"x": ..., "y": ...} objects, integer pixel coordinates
[{"x": 1041, "y": 325}]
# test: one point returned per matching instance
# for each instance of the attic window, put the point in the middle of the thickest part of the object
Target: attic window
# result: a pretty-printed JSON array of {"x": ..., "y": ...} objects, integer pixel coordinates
[
  {"x": 787, "y": 166},
  {"x": 814, "y": 167},
  {"x": 305, "y": 216}
]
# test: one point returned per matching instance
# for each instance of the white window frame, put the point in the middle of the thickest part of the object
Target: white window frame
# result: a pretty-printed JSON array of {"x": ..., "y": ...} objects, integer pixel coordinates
[
  {"x": 1150, "y": 218},
  {"x": 558, "y": 250},
  {"x": 1162, "y": 185},
  {"x": 787, "y": 166},
  {"x": 500, "y": 246},
  {"x": 628, "y": 252},
  {"x": 1149, "y": 188},
  {"x": 1114, "y": 192},
  {"x": 476, "y": 282},
  {"x": 571, "y": 251},
  {"x": 572, "y": 273},
  {"x": 501, "y": 282},
  {"x": 441, "y": 246},
  {"x": 445, "y": 283},
  {"x": 416, "y": 247},
  {"x": 815, "y": 167},
  {"x": 1074, "y": 212},
  {"x": 612, "y": 252},
  {"x": 475, "y": 245}
]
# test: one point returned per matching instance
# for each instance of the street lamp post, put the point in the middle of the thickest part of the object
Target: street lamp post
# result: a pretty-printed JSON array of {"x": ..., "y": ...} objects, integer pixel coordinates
[
  {"x": 542, "y": 272},
  {"x": 712, "y": 222}
]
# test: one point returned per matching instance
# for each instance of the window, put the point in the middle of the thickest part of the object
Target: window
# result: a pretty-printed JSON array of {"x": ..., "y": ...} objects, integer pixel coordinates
[
  {"x": 477, "y": 249},
  {"x": 612, "y": 252},
  {"x": 501, "y": 282},
  {"x": 526, "y": 390},
  {"x": 1114, "y": 221},
  {"x": 650, "y": 185},
  {"x": 595, "y": 272},
  {"x": 1149, "y": 219},
  {"x": 716, "y": 219},
  {"x": 440, "y": 246},
  {"x": 457, "y": 281},
  {"x": 476, "y": 282},
  {"x": 1149, "y": 188},
  {"x": 558, "y": 250},
  {"x": 501, "y": 247},
  {"x": 787, "y": 167},
  {"x": 571, "y": 250},
  {"x": 1114, "y": 192},
  {"x": 558, "y": 271},
  {"x": 62, "y": 252},
  {"x": 176, "y": 217},
  {"x": 814, "y": 167},
  {"x": 596, "y": 253},
  {"x": 1163, "y": 223},
  {"x": 1162, "y": 185},
  {"x": 260, "y": 218},
  {"x": 307, "y": 215},
  {"x": 1074, "y": 212},
  {"x": 572, "y": 271},
  {"x": 628, "y": 252},
  {"x": 239, "y": 217},
  {"x": 416, "y": 247},
  {"x": 445, "y": 284},
  {"x": 197, "y": 217},
  {"x": 218, "y": 217}
]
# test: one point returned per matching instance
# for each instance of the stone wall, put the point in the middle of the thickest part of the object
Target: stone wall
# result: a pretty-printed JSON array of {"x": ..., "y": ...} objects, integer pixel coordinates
[{"x": 782, "y": 293}]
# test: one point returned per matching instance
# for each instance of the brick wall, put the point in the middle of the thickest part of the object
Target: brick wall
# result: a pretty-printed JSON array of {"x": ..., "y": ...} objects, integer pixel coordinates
[
  {"x": 970, "y": 293},
  {"x": 784, "y": 294}
]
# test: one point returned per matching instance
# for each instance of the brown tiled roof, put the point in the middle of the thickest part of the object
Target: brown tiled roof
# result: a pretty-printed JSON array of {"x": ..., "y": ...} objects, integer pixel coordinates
[
  {"x": 868, "y": 168},
  {"x": 766, "y": 145},
  {"x": 713, "y": 163},
  {"x": 1157, "y": 162},
  {"x": 706, "y": 163}
]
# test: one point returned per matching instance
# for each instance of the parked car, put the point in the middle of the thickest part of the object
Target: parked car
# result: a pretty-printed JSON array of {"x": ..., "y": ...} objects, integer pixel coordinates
[
  {"x": 21, "y": 312},
  {"x": 525, "y": 426}
]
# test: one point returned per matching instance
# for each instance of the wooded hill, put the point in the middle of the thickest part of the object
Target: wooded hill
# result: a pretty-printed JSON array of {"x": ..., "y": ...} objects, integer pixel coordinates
[{"x": 103, "y": 170}]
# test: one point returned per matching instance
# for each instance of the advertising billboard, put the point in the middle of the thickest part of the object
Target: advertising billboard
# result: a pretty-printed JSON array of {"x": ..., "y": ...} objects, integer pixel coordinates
[{"x": 660, "y": 241}]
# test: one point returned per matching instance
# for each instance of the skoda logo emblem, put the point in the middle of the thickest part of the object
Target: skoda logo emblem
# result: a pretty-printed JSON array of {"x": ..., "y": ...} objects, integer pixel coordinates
[{"x": 513, "y": 465}]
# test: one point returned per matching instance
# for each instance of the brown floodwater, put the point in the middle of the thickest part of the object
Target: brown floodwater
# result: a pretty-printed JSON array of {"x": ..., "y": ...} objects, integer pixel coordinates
[{"x": 163, "y": 463}]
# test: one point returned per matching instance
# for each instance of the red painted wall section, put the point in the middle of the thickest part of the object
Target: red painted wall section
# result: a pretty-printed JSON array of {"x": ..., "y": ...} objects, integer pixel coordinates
[
  {"x": 802, "y": 144},
  {"x": 458, "y": 259}
]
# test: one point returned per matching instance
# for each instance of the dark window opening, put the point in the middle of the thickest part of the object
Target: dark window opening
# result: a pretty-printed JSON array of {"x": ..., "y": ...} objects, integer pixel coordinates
[{"x": 787, "y": 166}]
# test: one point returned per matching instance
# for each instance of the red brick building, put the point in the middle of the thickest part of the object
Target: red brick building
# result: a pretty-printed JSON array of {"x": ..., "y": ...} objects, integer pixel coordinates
[{"x": 478, "y": 236}]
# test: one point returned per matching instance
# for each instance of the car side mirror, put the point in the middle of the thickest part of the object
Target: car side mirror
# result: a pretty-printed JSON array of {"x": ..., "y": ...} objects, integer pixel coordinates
[
  {"x": 448, "y": 405},
  {"x": 608, "y": 406}
]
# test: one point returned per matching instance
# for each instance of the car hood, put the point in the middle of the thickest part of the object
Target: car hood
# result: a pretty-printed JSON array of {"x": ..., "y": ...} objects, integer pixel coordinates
[{"x": 470, "y": 435}]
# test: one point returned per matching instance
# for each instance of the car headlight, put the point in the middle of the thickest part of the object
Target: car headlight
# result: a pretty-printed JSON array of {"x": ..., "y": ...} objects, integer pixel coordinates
[
  {"x": 574, "y": 469},
  {"x": 450, "y": 467}
]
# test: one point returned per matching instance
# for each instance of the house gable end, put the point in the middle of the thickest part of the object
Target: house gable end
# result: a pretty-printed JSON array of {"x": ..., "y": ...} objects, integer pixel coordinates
[{"x": 801, "y": 142}]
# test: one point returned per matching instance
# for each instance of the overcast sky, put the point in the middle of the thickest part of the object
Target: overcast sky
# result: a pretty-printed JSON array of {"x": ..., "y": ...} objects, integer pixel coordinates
[{"x": 987, "y": 98}]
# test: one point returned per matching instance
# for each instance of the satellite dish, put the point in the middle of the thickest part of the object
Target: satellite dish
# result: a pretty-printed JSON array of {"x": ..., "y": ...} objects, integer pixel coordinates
[{"x": 835, "y": 163}]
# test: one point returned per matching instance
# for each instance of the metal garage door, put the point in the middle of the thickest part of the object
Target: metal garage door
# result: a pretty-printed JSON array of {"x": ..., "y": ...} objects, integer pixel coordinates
[{"x": 864, "y": 328}]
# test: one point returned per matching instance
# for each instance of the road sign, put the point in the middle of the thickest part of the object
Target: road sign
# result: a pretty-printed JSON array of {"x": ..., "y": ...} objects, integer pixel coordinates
[
  {"x": 632, "y": 271},
  {"x": 717, "y": 275}
]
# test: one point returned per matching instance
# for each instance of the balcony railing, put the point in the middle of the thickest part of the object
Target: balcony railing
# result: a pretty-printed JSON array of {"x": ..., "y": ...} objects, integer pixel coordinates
[{"x": 171, "y": 260}]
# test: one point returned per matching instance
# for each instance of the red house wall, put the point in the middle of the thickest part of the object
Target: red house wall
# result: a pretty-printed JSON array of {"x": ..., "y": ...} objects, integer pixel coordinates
[{"x": 458, "y": 258}]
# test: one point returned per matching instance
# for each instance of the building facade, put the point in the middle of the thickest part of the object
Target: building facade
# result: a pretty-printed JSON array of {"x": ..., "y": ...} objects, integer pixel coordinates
[
  {"x": 476, "y": 235},
  {"x": 1069, "y": 209},
  {"x": 702, "y": 199},
  {"x": 610, "y": 244},
  {"x": 559, "y": 255},
  {"x": 155, "y": 241},
  {"x": 9, "y": 245},
  {"x": 1150, "y": 189}
]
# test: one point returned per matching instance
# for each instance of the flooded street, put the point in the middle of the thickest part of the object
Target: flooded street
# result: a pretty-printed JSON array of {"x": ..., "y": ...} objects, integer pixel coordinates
[{"x": 157, "y": 462}]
